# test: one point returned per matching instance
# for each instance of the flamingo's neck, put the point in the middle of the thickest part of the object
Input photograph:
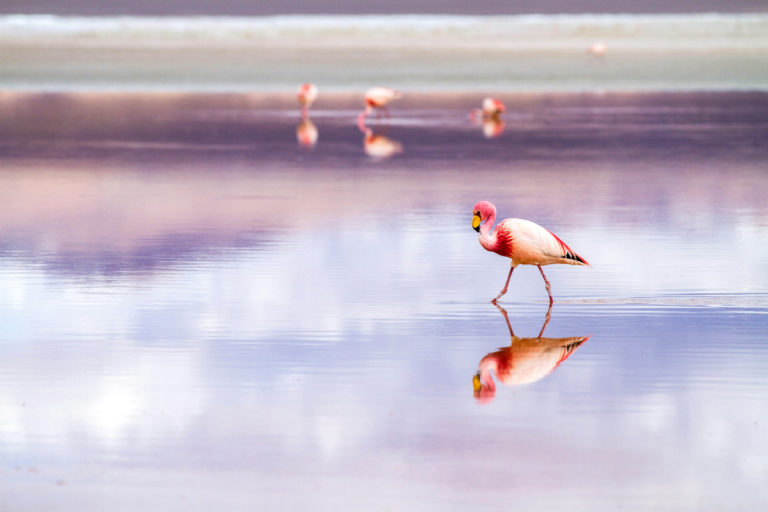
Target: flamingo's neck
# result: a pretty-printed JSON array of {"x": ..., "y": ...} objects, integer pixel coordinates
[
  {"x": 486, "y": 378},
  {"x": 487, "y": 234}
]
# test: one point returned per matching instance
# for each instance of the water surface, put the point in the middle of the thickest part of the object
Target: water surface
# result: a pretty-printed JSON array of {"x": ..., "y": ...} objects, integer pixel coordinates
[{"x": 199, "y": 311}]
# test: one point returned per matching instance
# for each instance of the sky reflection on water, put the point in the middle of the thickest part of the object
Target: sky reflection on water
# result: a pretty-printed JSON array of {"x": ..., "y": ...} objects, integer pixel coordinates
[{"x": 262, "y": 326}]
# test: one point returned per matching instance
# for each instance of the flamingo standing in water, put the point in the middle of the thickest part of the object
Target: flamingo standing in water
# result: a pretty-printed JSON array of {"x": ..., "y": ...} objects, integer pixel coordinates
[
  {"x": 377, "y": 98},
  {"x": 492, "y": 109},
  {"x": 597, "y": 49},
  {"x": 490, "y": 117},
  {"x": 307, "y": 95},
  {"x": 523, "y": 241},
  {"x": 524, "y": 361}
]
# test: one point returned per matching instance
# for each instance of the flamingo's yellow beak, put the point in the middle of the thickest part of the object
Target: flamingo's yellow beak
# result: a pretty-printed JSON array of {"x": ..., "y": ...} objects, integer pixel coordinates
[
  {"x": 476, "y": 383},
  {"x": 476, "y": 221}
]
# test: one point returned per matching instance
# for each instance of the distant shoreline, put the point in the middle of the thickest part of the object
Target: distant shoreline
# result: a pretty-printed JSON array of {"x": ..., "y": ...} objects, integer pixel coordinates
[{"x": 533, "y": 53}]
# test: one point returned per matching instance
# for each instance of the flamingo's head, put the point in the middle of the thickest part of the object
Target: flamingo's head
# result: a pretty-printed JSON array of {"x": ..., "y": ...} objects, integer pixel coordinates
[
  {"x": 307, "y": 93},
  {"x": 484, "y": 387},
  {"x": 480, "y": 212}
]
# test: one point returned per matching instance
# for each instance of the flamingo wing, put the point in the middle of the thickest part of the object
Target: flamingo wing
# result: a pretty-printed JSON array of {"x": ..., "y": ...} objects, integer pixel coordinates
[
  {"x": 532, "y": 244},
  {"x": 380, "y": 96}
]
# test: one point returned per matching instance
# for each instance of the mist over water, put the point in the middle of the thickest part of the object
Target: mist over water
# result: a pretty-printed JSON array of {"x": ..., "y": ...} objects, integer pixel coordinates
[{"x": 199, "y": 309}]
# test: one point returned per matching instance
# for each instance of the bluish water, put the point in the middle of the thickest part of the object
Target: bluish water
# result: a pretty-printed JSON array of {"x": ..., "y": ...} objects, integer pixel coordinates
[{"x": 197, "y": 311}]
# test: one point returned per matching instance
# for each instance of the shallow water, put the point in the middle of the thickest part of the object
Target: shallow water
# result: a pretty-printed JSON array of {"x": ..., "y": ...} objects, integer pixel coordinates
[{"x": 198, "y": 311}]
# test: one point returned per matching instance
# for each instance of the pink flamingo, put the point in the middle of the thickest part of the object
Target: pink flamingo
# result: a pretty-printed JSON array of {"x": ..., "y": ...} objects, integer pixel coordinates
[
  {"x": 597, "y": 49},
  {"x": 377, "y": 98},
  {"x": 490, "y": 117},
  {"x": 523, "y": 241},
  {"x": 492, "y": 109},
  {"x": 524, "y": 361},
  {"x": 307, "y": 95}
]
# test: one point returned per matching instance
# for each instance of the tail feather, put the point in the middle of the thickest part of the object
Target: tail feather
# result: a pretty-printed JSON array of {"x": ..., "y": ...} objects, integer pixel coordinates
[{"x": 569, "y": 254}]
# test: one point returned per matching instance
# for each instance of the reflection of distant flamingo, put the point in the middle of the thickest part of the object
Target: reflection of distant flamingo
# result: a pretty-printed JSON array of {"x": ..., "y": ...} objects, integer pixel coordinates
[
  {"x": 492, "y": 127},
  {"x": 377, "y": 98},
  {"x": 379, "y": 146},
  {"x": 306, "y": 133},
  {"x": 307, "y": 95},
  {"x": 523, "y": 241},
  {"x": 524, "y": 361}
]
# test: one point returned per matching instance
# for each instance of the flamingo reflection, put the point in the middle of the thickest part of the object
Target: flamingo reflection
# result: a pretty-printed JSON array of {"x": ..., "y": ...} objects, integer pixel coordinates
[
  {"x": 524, "y": 361},
  {"x": 492, "y": 127},
  {"x": 306, "y": 133},
  {"x": 377, "y": 145}
]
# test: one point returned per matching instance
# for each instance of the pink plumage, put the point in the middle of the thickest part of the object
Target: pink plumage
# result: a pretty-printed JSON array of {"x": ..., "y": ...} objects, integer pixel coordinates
[
  {"x": 307, "y": 94},
  {"x": 522, "y": 241},
  {"x": 377, "y": 99}
]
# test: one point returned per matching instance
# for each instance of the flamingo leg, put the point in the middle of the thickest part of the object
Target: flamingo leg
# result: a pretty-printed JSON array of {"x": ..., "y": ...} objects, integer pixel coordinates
[
  {"x": 549, "y": 288},
  {"x": 361, "y": 120},
  {"x": 504, "y": 290},
  {"x": 506, "y": 317},
  {"x": 546, "y": 321}
]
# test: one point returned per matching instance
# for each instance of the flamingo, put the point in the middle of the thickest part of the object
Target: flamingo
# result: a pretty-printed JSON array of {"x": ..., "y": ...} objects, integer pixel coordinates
[
  {"x": 490, "y": 117},
  {"x": 307, "y": 95},
  {"x": 524, "y": 361},
  {"x": 492, "y": 109},
  {"x": 377, "y": 98},
  {"x": 523, "y": 241},
  {"x": 597, "y": 49}
]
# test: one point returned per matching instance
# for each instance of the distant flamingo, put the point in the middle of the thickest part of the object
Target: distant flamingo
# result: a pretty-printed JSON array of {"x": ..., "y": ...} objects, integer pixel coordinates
[
  {"x": 524, "y": 361},
  {"x": 490, "y": 117},
  {"x": 307, "y": 95},
  {"x": 597, "y": 49},
  {"x": 523, "y": 241},
  {"x": 306, "y": 133},
  {"x": 492, "y": 109},
  {"x": 377, "y": 98}
]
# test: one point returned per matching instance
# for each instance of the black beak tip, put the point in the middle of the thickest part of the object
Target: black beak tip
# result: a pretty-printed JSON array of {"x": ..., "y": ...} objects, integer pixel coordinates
[{"x": 477, "y": 229}]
